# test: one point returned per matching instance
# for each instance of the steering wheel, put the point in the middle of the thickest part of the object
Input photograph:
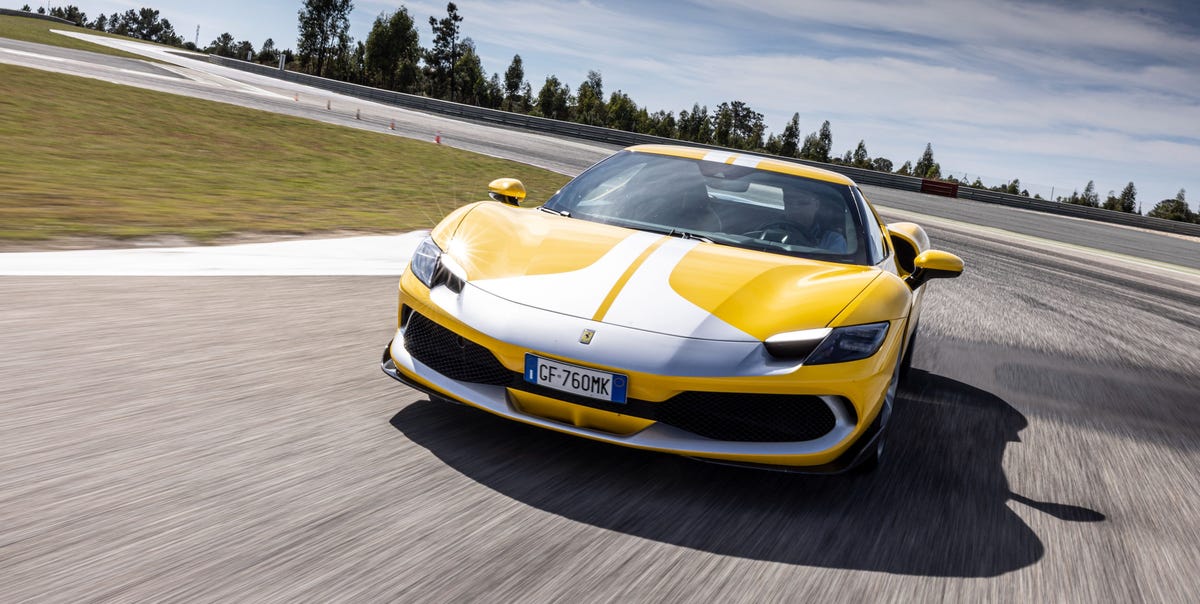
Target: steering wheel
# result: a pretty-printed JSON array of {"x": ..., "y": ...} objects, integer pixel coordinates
[{"x": 783, "y": 231}]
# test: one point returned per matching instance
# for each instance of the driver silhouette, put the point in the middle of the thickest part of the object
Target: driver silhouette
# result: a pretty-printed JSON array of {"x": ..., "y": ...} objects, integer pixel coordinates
[{"x": 804, "y": 221}]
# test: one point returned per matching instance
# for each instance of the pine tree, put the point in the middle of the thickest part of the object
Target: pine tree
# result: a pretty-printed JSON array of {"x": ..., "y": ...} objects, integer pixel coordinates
[
  {"x": 925, "y": 164},
  {"x": 514, "y": 77},
  {"x": 552, "y": 99},
  {"x": 861, "y": 158},
  {"x": 441, "y": 58},
  {"x": 393, "y": 50},
  {"x": 825, "y": 142},
  {"x": 723, "y": 125},
  {"x": 469, "y": 78},
  {"x": 1173, "y": 209},
  {"x": 695, "y": 125},
  {"x": 589, "y": 101},
  {"x": 622, "y": 112},
  {"x": 323, "y": 26},
  {"x": 1089, "y": 197},
  {"x": 789, "y": 143},
  {"x": 1128, "y": 199}
]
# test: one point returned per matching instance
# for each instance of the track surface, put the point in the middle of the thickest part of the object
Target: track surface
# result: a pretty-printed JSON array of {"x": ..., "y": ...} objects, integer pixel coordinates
[{"x": 223, "y": 439}]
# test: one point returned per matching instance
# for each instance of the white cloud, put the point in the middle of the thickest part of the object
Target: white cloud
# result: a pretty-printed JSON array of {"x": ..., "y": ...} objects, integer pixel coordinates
[{"x": 1004, "y": 24}]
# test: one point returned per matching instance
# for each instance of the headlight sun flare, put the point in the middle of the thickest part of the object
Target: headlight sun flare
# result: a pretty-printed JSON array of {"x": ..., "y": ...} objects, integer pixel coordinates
[{"x": 434, "y": 267}]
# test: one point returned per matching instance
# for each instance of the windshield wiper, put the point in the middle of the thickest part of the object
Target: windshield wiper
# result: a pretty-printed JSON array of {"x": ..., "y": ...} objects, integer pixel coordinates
[
  {"x": 687, "y": 235},
  {"x": 555, "y": 212}
]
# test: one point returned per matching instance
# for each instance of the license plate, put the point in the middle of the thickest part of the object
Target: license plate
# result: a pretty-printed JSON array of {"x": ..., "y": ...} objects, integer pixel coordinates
[{"x": 591, "y": 383}]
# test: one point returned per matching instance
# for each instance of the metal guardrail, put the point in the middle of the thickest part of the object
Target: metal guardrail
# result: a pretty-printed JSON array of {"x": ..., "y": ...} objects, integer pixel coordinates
[
  {"x": 1066, "y": 209},
  {"x": 21, "y": 13},
  {"x": 622, "y": 138}
]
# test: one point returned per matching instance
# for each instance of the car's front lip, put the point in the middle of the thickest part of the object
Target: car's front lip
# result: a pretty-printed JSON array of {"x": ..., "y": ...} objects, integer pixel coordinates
[{"x": 400, "y": 365}]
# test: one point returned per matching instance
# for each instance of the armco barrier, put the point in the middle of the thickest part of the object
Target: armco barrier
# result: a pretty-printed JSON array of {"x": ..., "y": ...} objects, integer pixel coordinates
[
  {"x": 622, "y": 138},
  {"x": 1067, "y": 209},
  {"x": 469, "y": 112},
  {"x": 22, "y": 13}
]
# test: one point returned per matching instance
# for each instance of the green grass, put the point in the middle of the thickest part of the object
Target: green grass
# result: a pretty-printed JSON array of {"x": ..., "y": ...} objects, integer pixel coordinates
[
  {"x": 29, "y": 29},
  {"x": 84, "y": 158}
]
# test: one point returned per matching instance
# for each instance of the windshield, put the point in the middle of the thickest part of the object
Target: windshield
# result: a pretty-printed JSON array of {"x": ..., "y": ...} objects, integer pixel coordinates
[{"x": 721, "y": 203}]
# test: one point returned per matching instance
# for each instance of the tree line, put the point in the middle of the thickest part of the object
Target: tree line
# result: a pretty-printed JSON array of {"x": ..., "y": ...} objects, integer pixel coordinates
[{"x": 450, "y": 69}]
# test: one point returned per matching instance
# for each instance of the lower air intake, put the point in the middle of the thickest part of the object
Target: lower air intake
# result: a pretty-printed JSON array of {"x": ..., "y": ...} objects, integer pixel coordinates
[
  {"x": 452, "y": 355},
  {"x": 748, "y": 417}
]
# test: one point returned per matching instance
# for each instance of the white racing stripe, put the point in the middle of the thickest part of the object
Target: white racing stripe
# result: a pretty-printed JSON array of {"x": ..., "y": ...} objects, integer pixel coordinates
[
  {"x": 718, "y": 156},
  {"x": 576, "y": 293},
  {"x": 649, "y": 302},
  {"x": 723, "y": 157}
]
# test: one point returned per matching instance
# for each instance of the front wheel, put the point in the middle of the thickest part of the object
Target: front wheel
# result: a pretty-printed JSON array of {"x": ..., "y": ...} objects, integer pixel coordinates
[
  {"x": 870, "y": 461},
  {"x": 906, "y": 362}
]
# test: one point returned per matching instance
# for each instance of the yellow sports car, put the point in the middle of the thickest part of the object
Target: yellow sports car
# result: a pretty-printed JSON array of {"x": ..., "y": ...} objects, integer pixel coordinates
[{"x": 717, "y": 305}]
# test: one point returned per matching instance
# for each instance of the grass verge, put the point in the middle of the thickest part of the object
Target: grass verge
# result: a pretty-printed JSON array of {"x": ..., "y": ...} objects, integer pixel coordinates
[
  {"x": 84, "y": 158},
  {"x": 28, "y": 29}
]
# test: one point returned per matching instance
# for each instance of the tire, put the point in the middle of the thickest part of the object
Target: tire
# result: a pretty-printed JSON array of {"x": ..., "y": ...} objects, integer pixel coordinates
[
  {"x": 870, "y": 462},
  {"x": 906, "y": 362}
]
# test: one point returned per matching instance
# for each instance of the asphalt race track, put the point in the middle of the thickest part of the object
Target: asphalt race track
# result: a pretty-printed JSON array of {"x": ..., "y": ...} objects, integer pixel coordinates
[{"x": 232, "y": 439}]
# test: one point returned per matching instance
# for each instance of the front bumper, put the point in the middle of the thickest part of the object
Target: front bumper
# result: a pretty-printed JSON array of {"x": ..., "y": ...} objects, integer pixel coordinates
[
  {"x": 837, "y": 451},
  {"x": 659, "y": 367}
]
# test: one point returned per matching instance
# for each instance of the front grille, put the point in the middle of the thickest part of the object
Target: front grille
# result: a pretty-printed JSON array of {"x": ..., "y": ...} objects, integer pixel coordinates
[
  {"x": 452, "y": 355},
  {"x": 748, "y": 417}
]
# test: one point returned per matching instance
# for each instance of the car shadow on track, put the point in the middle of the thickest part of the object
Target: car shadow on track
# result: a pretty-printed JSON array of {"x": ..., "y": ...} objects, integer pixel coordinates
[{"x": 936, "y": 506}]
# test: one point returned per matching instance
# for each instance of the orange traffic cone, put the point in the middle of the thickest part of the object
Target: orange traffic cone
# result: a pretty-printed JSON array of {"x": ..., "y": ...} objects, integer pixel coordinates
[{"x": 393, "y": 126}]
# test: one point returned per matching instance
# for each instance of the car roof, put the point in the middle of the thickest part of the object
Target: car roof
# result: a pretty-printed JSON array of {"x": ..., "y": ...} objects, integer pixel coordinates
[{"x": 758, "y": 162}]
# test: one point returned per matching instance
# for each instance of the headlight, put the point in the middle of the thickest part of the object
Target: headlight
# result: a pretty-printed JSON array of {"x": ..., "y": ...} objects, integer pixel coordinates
[
  {"x": 850, "y": 343},
  {"x": 795, "y": 344},
  {"x": 424, "y": 262},
  {"x": 434, "y": 267}
]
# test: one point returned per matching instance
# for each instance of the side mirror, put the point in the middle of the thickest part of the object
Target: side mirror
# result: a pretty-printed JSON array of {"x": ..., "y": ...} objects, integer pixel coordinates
[
  {"x": 507, "y": 190},
  {"x": 933, "y": 264}
]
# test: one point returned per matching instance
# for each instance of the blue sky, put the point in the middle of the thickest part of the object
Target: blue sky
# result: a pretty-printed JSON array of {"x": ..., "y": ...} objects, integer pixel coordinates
[{"x": 1055, "y": 94}]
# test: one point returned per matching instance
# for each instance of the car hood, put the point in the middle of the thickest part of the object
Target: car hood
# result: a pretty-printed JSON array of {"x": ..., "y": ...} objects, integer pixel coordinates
[{"x": 607, "y": 274}]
